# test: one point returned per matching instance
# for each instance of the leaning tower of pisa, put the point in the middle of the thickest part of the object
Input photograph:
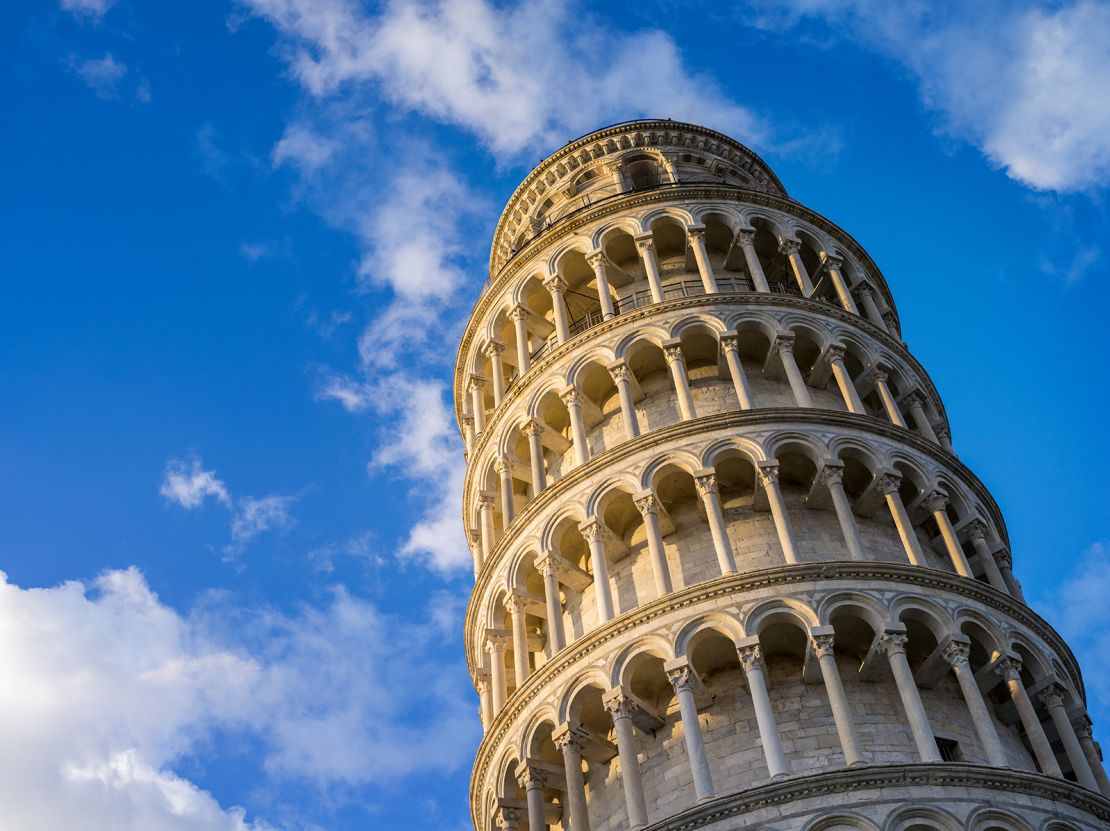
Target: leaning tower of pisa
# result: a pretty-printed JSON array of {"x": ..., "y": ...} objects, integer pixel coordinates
[{"x": 730, "y": 571}]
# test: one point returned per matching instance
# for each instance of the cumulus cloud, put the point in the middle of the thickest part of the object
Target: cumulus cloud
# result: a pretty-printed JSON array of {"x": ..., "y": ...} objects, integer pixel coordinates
[
  {"x": 186, "y": 483},
  {"x": 517, "y": 77},
  {"x": 108, "y": 690},
  {"x": 1020, "y": 81}
]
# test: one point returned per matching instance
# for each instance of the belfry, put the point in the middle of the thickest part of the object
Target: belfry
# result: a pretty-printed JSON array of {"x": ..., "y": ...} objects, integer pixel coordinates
[{"x": 730, "y": 571}]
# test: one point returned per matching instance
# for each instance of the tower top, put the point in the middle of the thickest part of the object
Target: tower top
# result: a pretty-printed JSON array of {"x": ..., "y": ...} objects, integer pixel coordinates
[{"x": 629, "y": 156}]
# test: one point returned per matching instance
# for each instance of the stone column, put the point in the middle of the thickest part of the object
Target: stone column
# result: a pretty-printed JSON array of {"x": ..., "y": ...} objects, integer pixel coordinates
[
  {"x": 485, "y": 707},
  {"x": 645, "y": 244},
  {"x": 514, "y": 605},
  {"x": 917, "y": 410},
  {"x": 842, "y": 713},
  {"x": 615, "y": 170},
  {"x": 594, "y": 535},
  {"x": 706, "y": 483},
  {"x": 485, "y": 524},
  {"x": 935, "y": 503},
  {"x": 755, "y": 268},
  {"x": 504, "y": 468},
  {"x": 730, "y": 345},
  {"x": 648, "y": 507},
  {"x": 672, "y": 350},
  {"x": 871, "y": 310},
  {"x": 832, "y": 266},
  {"x": 1009, "y": 670},
  {"x": 571, "y": 398},
  {"x": 475, "y": 541},
  {"x": 751, "y": 660},
  {"x": 832, "y": 477},
  {"x": 1006, "y": 565},
  {"x": 878, "y": 378},
  {"x": 1053, "y": 699},
  {"x": 1083, "y": 730},
  {"x": 890, "y": 323},
  {"x": 888, "y": 484},
  {"x": 977, "y": 530},
  {"x": 955, "y": 653},
  {"x": 682, "y": 679},
  {"x": 548, "y": 567},
  {"x": 557, "y": 285},
  {"x": 696, "y": 235},
  {"x": 894, "y": 645},
  {"x": 497, "y": 366},
  {"x": 533, "y": 430},
  {"x": 468, "y": 433},
  {"x": 519, "y": 316},
  {"x": 945, "y": 437},
  {"x": 792, "y": 249},
  {"x": 495, "y": 646},
  {"x": 768, "y": 473},
  {"x": 570, "y": 741},
  {"x": 478, "y": 404},
  {"x": 622, "y": 377},
  {"x": 531, "y": 779},
  {"x": 620, "y": 708},
  {"x": 785, "y": 345},
  {"x": 844, "y": 380},
  {"x": 596, "y": 259}
]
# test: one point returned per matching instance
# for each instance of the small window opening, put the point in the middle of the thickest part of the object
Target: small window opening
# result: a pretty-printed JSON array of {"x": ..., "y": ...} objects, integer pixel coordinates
[{"x": 949, "y": 750}]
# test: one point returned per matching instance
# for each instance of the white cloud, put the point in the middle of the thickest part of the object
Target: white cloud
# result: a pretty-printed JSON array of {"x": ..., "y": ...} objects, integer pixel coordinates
[
  {"x": 518, "y": 77},
  {"x": 1021, "y": 81},
  {"x": 101, "y": 75},
  {"x": 421, "y": 444},
  {"x": 257, "y": 515},
  {"x": 188, "y": 484},
  {"x": 1078, "y": 609},
  {"x": 91, "y": 9},
  {"x": 303, "y": 148},
  {"x": 107, "y": 690}
]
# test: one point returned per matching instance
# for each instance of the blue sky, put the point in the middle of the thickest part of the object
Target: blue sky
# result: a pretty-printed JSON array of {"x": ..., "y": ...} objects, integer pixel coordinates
[{"x": 240, "y": 241}]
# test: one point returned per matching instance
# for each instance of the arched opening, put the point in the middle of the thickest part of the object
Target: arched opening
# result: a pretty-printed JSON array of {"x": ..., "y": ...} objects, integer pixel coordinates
[
  {"x": 659, "y": 406},
  {"x": 601, "y": 407}
]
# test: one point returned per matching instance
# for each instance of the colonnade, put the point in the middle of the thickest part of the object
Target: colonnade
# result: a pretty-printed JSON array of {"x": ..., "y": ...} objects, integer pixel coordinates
[{"x": 626, "y": 710}]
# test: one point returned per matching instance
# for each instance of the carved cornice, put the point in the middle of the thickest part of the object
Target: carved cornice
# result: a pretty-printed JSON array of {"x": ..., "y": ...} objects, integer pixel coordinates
[
  {"x": 745, "y": 299},
  {"x": 716, "y": 592}
]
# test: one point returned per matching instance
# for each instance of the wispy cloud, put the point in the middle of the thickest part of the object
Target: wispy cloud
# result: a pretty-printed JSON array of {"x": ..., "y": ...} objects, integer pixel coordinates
[
  {"x": 87, "y": 9},
  {"x": 109, "y": 690},
  {"x": 186, "y": 483},
  {"x": 1015, "y": 79},
  {"x": 102, "y": 75},
  {"x": 257, "y": 515}
]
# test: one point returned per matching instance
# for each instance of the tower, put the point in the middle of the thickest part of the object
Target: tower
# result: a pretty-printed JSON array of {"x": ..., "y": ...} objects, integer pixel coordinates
[{"x": 730, "y": 572}]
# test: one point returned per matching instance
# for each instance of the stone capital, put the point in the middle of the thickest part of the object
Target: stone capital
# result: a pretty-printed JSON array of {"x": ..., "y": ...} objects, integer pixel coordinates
[
  {"x": 831, "y": 262},
  {"x": 486, "y": 500},
  {"x": 789, "y": 246},
  {"x": 977, "y": 530},
  {"x": 555, "y": 284},
  {"x": 518, "y": 312},
  {"x": 646, "y": 503},
  {"x": 834, "y": 353},
  {"x": 495, "y": 643},
  {"x": 751, "y": 657},
  {"x": 645, "y": 242},
  {"x": 571, "y": 397},
  {"x": 768, "y": 474},
  {"x": 514, "y": 604},
  {"x": 823, "y": 644},
  {"x": 571, "y": 736},
  {"x": 893, "y": 642},
  {"x": 503, "y": 465},
  {"x": 596, "y": 259},
  {"x": 784, "y": 343},
  {"x": 682, "y": 678},
  {"x": 746, "y": 236},
  {"x": 730, "y": 342},
  {"x": 508, "y": 818},
  {"x": 530, "y": 776},
  {"x": 1003, "y": 557},
  {"x": 618, "y": 705},
  {"x": 888, "y": 482},
  {"x": 1052, "y": 696},
  {"x": 935, "y": 502},
  {"x": 695, "y": 232},
  {"x": 592, "y": 530},
  {"x": 532, "y": 427},
  {"x": 1008, "y": 669},
  {"x": 672, "y": 350},
  {"x": 549, "y": 564},
  {"x": 832, "y": 474},
  {"x": 706, "y": 483},
  {"x": 619, "y": 371},
  {"x": 494, "y": 348},
  {"x": 956, "y": 653},
  {"x": 475, "y": 382},
  {"x": 877, "y": 376}
]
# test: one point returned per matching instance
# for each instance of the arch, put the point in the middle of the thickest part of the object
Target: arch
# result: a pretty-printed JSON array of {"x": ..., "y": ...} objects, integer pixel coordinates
[
  {"x": 619, "y": 483},
  {"x": 685, "y": 460},
  {"x": 932, "y": 615},
  {"x": 711, "y": 621},
  {"x": 864, "y": 605},
  {"x": 591, "y": 677},
  {"x": 990, "y": 818},
  {"x": 698, "y": 322},
  {"x": 920, "y": 818},
  {"x": 750, "y": 449},
  {"x": 841, "y": 822},
  {"x": 778, "y": 610},
  {"x": 655, "y": 645},
  {"x": 545, "y": 715}
]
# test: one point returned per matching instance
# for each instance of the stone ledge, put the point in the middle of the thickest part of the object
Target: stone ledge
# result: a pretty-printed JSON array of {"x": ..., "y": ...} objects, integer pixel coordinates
[{"x": 931, "y": 776}]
